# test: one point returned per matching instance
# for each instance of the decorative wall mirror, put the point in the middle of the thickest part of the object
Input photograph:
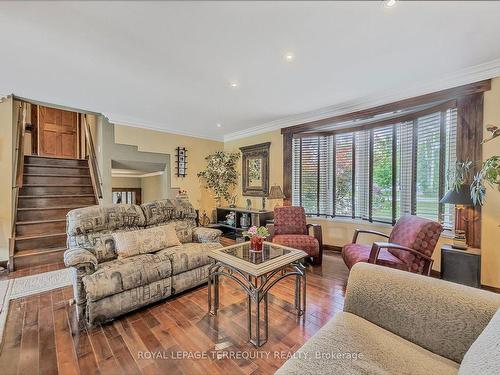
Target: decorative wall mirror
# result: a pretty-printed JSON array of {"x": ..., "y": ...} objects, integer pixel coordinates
[{"x": 255, "y": 169}]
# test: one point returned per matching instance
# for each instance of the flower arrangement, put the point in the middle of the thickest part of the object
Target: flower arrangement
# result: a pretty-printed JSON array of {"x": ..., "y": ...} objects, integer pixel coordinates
[
  {"x": 257, "y": 236},
  {"x": 256, "y": 232}
]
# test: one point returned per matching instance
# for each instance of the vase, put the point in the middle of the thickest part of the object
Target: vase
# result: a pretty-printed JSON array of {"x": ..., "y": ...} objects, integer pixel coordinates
[{"x": 256, "y": 243}]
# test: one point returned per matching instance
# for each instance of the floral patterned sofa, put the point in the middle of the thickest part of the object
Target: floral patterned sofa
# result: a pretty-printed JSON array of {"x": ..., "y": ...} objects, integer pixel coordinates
[{"x": 106, "y": 286}]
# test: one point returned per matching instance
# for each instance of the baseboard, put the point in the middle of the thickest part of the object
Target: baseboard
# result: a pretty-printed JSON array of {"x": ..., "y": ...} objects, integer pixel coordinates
[
  {"x": 337, "y": 249},
  {"x": 490, "y": 288}
]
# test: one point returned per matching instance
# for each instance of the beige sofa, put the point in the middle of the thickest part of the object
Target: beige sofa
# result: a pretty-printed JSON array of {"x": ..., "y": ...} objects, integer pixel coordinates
[
  {"x": 105, "y": 286},
  {"x": 396, "y": 322}
]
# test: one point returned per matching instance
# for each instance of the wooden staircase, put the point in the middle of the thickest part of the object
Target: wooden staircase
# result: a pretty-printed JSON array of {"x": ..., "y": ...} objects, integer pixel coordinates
[{"x": 50, "y": 188}]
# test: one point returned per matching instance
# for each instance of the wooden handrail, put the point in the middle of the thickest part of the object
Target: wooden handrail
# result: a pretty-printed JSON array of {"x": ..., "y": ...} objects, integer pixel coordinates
[
  {"x": 94, "y": 168},
  {"x": 17, "y": 180}
]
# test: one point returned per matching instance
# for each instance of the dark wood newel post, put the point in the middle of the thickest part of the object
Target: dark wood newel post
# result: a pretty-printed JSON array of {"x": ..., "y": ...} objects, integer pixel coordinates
[
  {"x": 287, "y": 168},
  {"x": 469, "y": 147}
]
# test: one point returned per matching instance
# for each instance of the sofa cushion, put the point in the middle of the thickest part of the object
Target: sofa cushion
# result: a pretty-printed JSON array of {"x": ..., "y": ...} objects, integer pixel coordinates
[
  {"x": 119, "y": 275},
  {"x": 303, "y": 242},
  {"x": 354, "y": 253},
  {"x": 165, "y": 210},
  {"x": 103, "y": 217},
  {"x": 483, "y": 357},
  {"x": 184, "y": 229},
  {"x": 360, "y": 347},
  {"x": 189, "y": 256},
  {"x": 145, "y": 241}
]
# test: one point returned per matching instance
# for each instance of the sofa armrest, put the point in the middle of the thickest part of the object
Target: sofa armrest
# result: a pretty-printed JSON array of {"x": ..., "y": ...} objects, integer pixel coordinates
[
  {"x": 440, "y": 316},
  {"x": 80, "y": 258},
  {"x": 201, "y": 234}
]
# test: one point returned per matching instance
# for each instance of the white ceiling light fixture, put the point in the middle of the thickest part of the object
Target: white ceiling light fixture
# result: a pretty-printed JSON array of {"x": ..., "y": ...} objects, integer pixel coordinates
[
  {"x": 289, "y": 57},
  {"x": 219, "y": 125},
  {"x": 390, "y": 3},
  {"x": 234, "y": 84}
]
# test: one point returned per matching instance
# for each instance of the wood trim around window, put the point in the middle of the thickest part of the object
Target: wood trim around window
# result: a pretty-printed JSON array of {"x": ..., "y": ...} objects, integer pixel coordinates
[
  {"x": 448, "y": 94},
  {"x": 469, "y": 104}
]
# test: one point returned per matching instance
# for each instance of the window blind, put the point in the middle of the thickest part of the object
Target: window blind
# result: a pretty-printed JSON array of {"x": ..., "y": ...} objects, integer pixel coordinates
[{"x": 378, "y": 174}]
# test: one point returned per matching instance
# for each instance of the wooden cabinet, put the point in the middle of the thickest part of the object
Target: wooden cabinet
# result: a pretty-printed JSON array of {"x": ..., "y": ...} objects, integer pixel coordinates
[{"x": 256, "y": 217}]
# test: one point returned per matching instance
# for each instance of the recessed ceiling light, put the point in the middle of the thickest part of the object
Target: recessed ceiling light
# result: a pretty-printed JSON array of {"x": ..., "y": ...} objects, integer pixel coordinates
[
  {"x": 289, "y": 56},
  {"x": 234, "y": 84},
  {"x": 390, "y": 3},
  {"x": 219, "y": 125}
]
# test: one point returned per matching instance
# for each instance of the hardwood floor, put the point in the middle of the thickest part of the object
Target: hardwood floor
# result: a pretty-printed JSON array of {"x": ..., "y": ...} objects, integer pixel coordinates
[{"x": 42, "y": 335}]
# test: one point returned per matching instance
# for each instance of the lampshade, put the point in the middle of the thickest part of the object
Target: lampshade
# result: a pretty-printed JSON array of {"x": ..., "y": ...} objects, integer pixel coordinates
[
  {"x": 275, "y": 192},
  {"x": 460, "y": 197}
]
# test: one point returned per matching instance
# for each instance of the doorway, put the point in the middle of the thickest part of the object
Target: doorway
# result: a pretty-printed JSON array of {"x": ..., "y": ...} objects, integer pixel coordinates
[{"x": 57, "y": 132}]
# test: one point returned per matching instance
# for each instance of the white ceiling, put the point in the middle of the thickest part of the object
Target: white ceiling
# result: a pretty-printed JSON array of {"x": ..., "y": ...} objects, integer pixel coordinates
[{"x": 168, "y": 65}]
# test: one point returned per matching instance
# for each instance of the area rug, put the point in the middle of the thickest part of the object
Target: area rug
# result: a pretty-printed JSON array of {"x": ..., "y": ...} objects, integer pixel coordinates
[{"x": 28, "y": 285}]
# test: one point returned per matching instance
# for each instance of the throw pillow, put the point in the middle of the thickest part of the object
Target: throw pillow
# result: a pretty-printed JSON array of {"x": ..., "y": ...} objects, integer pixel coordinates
[{"x": 145, "y": 241}]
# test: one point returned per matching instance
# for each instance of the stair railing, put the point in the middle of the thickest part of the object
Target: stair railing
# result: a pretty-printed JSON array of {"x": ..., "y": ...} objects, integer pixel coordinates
[
  {"x": 94, "y": 168},
  {"x": 18, "y": 165}
]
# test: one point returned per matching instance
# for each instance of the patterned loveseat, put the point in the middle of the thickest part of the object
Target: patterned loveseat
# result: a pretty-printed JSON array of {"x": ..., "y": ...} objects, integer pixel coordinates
[{"x": 106, "y": 286}]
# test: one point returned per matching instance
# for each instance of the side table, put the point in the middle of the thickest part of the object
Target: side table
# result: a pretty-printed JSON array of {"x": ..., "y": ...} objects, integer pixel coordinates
[{"x": 461, "y": 266}]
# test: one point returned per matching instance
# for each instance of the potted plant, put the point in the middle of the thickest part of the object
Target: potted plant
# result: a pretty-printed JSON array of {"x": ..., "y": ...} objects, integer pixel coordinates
[
  {"x": 489, "y": 172},
  {"x": 220, "y": 175},
  {"x": 257, "y": 236}
]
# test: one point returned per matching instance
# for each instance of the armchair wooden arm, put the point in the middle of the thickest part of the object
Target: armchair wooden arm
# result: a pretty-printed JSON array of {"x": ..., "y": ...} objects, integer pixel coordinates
[
  {"x": 358, "y": 231},
  {"x": 377, "y": 246},
  {"x": 318, "y": 234}
]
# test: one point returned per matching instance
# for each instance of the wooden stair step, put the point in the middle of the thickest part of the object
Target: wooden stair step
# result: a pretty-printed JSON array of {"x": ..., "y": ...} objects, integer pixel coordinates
[
  {"x": 33, "y": 242},
  {"x": 40, "y": 213},
  {"x": 28, "y": 201},
  {"x": 39, "y": 227},
  {"x": 30, "y": 258},
  {"x": 44, "y": 160},
  {"x": 53, "y": 179},
  {"x": 49, "y": 189},
  {"x": 57, "y": 169}
]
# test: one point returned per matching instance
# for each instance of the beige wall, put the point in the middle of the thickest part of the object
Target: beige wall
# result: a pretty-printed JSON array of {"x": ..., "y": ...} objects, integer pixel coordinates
[
  {"x": 6, "y": 161},
  {"x": 197, "y": 150},
  {"x": 151, "y": 188},
  {"x": 275, "y": 164},
  {"x": 490, "y": 225},
  {"x": 126, "y": 182}
]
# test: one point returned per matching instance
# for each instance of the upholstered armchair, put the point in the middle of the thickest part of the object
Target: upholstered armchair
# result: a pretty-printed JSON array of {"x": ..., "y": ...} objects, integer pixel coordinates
[
  {"x": 409, "y": 247},
  {"x": 291, "y": 229}
]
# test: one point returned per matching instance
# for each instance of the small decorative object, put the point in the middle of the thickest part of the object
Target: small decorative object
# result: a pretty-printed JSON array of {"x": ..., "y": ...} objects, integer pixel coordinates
[
  {"x": 204, "y": 220},
  {"x": 182, "y": 194},
  {"x": 181, "y": 161},
  {"x": 460, "y": 198},
  {"x": 232, "y": 201},
  {"x": 255, "y": 170},
  {"x": 244, "y": 221},
  {"x": 231, "y": 218},
  {"x": 257, "y": 236},
  {"x": 220, "y": 176},
  {"x": 249, "y": 204},
  {"x": 495, "y": 132}
]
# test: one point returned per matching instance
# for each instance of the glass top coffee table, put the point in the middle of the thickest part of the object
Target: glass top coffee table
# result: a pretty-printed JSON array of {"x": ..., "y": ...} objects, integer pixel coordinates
[{"x": 257, "y": 272}]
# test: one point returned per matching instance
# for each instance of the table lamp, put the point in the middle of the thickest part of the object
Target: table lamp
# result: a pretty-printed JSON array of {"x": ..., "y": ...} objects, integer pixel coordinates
[
  {"x": 275, "y": 193},
  {"x": 460, "y": 198}
]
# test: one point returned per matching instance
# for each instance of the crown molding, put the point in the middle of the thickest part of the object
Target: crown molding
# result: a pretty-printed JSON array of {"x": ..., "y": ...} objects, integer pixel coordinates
[
  {"x": 469, "y": 75},
  {"x": 142, "y": 124}
]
